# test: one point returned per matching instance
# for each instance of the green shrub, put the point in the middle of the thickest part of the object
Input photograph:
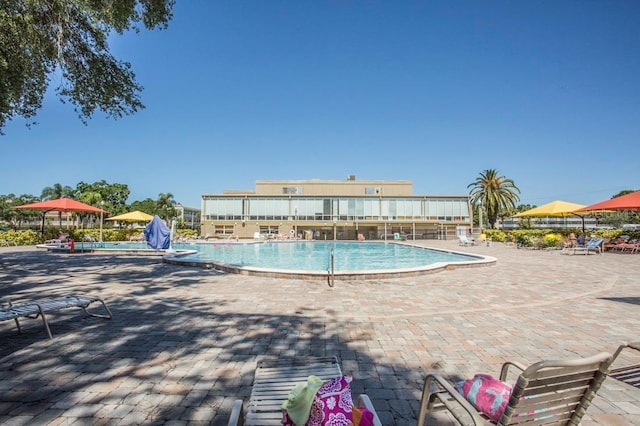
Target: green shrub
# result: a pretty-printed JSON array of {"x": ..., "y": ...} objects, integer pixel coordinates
[
  {"x": 496, "y": 235},
  {"x": 552, "y": 240},
  {"x": 107, "y": 234},
  {"x": 21, "y": 238},
  {"x": 527, "y": 237},
  {"x": 544, "y": 238},
  {"x": 187, "y": 233},
  {"x": 525, "y": 240}
]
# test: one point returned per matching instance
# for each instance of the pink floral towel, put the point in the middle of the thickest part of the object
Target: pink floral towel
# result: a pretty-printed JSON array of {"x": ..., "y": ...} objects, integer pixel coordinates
[{"x": 332, "y": 405}]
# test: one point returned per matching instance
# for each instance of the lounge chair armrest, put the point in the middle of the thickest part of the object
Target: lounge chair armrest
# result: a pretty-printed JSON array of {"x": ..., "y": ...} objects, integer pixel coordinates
[
  {"x": 237, "y": 415},
  {"x": 365, "y": 402},
  {"x": 505, "y": 369},
  {"x": 442, "y": 386},
  {"x": 634, "y": 345},
  {"x": 623, "y": 346}
]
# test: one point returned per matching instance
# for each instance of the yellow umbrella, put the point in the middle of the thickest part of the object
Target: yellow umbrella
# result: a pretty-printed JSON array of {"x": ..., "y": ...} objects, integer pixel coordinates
[
  {"x": 554, "y": 208},
  {"x": 135, "y": 216}
]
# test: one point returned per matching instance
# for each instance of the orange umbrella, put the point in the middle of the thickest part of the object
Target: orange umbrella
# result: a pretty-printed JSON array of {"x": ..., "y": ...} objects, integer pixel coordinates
[
  {"x": 624, "y": 202},
  {"x": 60, "y": 205}
]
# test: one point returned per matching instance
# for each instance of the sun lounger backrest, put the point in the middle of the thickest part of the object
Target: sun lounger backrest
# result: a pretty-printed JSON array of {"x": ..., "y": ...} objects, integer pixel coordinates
[{"x": 558, "y": 392}]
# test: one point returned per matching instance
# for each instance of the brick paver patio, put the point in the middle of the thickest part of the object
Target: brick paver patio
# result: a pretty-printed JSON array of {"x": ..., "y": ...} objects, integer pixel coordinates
[{"x": 183, "y": 343}]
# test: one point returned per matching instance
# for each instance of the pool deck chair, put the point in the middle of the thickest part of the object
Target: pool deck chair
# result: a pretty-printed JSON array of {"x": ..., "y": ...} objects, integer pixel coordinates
[
  {"x": 628, "y": 373},
  {"x": 548, "y": 392},
  {"x": 464, "y": 241},
  {"x": 272, "y": 382},
  {"x": 590, "y": 246},
  {"x": 42, "y": 307}
]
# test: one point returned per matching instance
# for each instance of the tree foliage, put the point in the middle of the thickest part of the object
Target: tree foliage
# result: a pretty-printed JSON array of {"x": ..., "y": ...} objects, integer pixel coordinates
[
  {"x": 69, "y": 38},
  {"x": 165, "y": 206},
  {"x": 147, "y": 205},
  {"x": 108, "y": 196},
  {"x": 54, "y": 192},
  {"x": 111, "y": 197},
  {"x": 624, "y": 192},
  {"x": 495, "y": 193},
  {"x": 14, "y": 217}
]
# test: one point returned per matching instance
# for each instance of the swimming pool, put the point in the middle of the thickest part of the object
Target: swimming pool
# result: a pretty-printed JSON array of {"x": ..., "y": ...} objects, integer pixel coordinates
[{"x": 312, "y": 259}]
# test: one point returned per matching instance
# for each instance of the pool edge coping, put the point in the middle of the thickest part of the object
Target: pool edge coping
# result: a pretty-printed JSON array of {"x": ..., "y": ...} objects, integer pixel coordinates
[{"x": 482, "y": 260}]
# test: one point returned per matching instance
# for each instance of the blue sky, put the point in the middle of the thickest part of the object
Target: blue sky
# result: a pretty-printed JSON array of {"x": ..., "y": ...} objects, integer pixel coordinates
[{"x": 435, "y": 92}]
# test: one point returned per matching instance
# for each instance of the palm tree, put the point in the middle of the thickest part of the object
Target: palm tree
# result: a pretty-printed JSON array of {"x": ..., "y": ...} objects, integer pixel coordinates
[
  {"x": 54, "y": 192},
  {"x": 494, "y": 193},
  {"x": 92, "y": 198},
  {"x": 164, "y": 206}
]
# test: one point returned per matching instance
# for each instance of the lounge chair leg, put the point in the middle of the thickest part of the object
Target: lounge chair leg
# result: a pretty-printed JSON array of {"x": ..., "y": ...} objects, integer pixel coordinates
[
  {"x": 44, "y": 321},
  {"x": 237, "y": 414},
  {"x": 18, "y": 325},
  {"x": 16, "y": 319},
  {"x": 91, "y": 314}
]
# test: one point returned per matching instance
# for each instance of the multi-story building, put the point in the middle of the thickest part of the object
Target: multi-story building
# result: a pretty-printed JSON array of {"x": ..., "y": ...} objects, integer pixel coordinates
[
  {"x": 331, "y": 209},
  {"x": 189, "y": 217}
]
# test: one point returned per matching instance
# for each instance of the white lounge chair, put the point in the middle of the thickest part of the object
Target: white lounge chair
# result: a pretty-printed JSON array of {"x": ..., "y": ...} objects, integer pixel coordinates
[
  {"x": 464, "y": 241},
  {"x": 39, "y": 307},
  {"x": 275, "y": 378}
]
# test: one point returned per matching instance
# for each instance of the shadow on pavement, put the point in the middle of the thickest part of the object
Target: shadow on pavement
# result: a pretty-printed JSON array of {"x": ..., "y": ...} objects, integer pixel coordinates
[{"x": 166, "y": 354}]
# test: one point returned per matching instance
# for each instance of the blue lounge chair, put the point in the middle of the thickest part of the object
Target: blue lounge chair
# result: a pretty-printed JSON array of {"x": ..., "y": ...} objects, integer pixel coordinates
[{"x": 593, "y": 245}]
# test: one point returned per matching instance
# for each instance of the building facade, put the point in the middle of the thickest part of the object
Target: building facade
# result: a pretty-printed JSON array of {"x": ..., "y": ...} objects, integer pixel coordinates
[
  {"x": 333, "y": 210},
  {"x": 189, "y": 217}
]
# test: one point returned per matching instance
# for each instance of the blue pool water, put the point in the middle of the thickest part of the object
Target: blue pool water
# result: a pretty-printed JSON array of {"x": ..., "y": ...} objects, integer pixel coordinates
[
  {"x": 311, "y": 259},
  {"x": 315, "y": 256}
]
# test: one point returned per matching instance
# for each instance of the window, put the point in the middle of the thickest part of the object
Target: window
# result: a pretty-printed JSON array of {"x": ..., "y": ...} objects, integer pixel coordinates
[
  {"x": 223, "y": 207},
  {"x": 372, "y": 190},
  {"x": 447, "y": 209},
  {"x": 307, "y": 208},
  {"x": 223, "y": 229},
  {"x": 268, "y": 208},
  {"x": 292, "y": 190},
  {"x": 372, "y": 209}
]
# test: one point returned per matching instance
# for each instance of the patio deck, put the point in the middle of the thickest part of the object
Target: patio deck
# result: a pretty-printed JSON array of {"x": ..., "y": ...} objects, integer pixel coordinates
[{"x": 183, "y": 342}]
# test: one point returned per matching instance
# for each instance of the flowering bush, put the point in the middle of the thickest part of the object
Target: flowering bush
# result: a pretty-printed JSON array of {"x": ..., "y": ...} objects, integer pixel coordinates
[
  {"x": 496, "y": 235},
  {"x": 20, "y": 238},
  {"x": 552, "y": 240}
]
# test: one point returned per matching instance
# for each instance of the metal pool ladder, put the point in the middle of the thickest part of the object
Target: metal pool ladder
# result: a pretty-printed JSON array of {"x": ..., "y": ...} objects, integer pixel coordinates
[{"x": 331, "y": 269}]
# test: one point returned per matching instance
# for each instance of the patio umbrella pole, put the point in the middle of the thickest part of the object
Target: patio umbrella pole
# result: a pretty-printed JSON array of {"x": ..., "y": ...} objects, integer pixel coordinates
[{"x": 42, "y": 226}]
